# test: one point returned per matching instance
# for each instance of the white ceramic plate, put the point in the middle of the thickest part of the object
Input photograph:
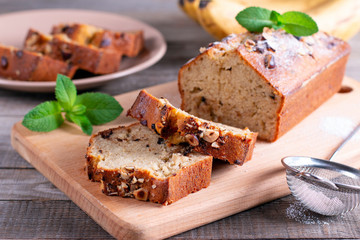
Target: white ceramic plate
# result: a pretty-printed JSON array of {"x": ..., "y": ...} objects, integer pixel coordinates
[{"x": 14, "y": 27}]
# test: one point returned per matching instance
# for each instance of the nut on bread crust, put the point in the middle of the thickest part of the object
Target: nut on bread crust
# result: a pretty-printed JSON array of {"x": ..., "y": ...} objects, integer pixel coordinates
[{"x": 220, "y": 141}]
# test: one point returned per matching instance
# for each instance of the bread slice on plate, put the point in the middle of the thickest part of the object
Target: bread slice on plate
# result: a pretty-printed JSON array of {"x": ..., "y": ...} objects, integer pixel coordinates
[
  {"x": 134, "y": 162},
  {"x": 129, "y": 43},
  {"x": 222, "y": 142},
  {"x": 86, "y": 57},
  {"x": 18, "y": 64}
]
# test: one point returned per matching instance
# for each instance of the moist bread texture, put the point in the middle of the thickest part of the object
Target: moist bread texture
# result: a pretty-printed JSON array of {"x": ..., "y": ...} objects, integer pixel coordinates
[
  {"x": 134, "y": 162},
  {"x": 128, "y": 43},
  {"x": 267, "y": 82},
  {"x": 86, "y": 57},
  {"x": 30, "y": 66},
  {"x": 222, "y": 142}
]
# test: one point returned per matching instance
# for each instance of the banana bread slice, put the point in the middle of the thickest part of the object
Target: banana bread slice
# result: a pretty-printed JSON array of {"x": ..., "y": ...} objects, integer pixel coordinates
[
  {"x": 222, "y": 142},
  {"x": 86, "y": 57},
  {"x": 30, "y": 66},
  {"x": 134, "y": 162},
  {"x": 266, "y": 81},
  {"x": 129, "y": 43}
]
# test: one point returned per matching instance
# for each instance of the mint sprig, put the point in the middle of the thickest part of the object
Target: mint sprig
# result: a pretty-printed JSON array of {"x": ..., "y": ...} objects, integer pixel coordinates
[
  {"x": 254, "y": 19},
  {"x": 84, "y": 110}
]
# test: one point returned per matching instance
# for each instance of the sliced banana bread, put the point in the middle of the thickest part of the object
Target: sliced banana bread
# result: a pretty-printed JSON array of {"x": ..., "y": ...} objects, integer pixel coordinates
[
  {"x": 266, "y": 81},
  {"x": 23, "y": 65},
  {"x": 86, "y": 57},
  {"x": 222, "y": 142},
  {"x": 134, "y": 162},
  {"x": 128, "y": 43}
]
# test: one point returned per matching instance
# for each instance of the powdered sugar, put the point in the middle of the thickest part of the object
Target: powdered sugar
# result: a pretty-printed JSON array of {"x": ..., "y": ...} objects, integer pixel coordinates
[
  {"x": 299, "y": 213},
  {"x": 338, "y": 126}
]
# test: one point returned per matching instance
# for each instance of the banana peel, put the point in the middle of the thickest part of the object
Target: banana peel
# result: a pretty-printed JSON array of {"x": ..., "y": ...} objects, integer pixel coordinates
[
  {"x": 218, "y": 17},
  {"x": 340, "y": 18}
]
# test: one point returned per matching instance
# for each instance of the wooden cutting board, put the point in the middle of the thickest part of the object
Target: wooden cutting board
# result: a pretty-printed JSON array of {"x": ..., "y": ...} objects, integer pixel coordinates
[{"x": 59, "y": 156}]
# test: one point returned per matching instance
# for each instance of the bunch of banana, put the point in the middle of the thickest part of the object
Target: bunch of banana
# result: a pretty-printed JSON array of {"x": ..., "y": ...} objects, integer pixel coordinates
[{"x": 218, "y": 16}]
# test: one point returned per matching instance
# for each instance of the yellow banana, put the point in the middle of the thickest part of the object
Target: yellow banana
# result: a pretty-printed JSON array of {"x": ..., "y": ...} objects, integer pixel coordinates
[
  {"x": 347, "y": 21},
  {"x": 189, "y": 7},
  {"x": 218, "y": 17}
]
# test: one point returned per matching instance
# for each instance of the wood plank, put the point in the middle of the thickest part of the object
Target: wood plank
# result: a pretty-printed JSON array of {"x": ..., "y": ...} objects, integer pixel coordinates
[
  {"x": 47, "y": 220},
  {"x": 59, "y": 155},
  {"x": 9, "y": 157},
  {"x": 27, "y": 184},
  {"x": 63, "y": 219}
]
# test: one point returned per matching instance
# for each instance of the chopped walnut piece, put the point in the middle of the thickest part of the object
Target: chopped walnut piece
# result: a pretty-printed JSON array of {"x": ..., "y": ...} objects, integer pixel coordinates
[{"x": 141, "y": 194}]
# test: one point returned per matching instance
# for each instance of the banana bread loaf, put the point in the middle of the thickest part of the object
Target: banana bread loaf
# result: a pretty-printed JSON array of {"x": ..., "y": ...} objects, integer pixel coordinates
[
  {"x": 23, "y": 65},
  {"x": 128, "y": 43},
  {"x": 267, "y": 82},
  {"x": 222, "y": 142},
  {"x": 86, "y": 57},
  {"x": 134, "y": 162}
]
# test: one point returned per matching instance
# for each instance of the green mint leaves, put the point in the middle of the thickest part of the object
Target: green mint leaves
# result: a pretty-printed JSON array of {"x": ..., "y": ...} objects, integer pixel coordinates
[
  {"x": 299, "y": 24},
  {"x": 254, "y": 19},
  {"x": 84, "y": 110},
  {"x": 45, "y": 117},
  {"x": 65, "y": 92}
]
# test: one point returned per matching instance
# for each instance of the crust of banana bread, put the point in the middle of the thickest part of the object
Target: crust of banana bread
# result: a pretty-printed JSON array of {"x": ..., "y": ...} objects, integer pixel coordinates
[
  {"x": 128, "y": 43},
  {"x": 29, "y": 66},
  {"x": 130, "y": 181},
  {"x": 295, "y": 76},
  {"x": 222, "y": 142}
]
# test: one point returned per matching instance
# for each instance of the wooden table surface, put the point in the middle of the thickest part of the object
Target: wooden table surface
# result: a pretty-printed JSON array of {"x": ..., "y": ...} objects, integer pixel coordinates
[{"x": 31, "y": 207}]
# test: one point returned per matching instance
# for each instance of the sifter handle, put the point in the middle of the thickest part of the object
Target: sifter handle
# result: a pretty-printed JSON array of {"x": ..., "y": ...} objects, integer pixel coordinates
[{"x": 345, "y": 141}]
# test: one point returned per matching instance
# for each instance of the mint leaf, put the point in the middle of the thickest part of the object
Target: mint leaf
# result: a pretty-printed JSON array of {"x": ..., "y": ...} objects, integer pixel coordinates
[
  {"x": 100, "y": 108},
  {"x": 254, "y": 19},
  {"x": 277, "y": 19},
  {"x": 65, "y": 92},
  {"x": 78, "y": 109},
  {"x": 299, "y": 24},
  {"x": 82, "y": 121},
  {"x": 45, "y": 117},
  {"x": 84, "y": 110}
]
